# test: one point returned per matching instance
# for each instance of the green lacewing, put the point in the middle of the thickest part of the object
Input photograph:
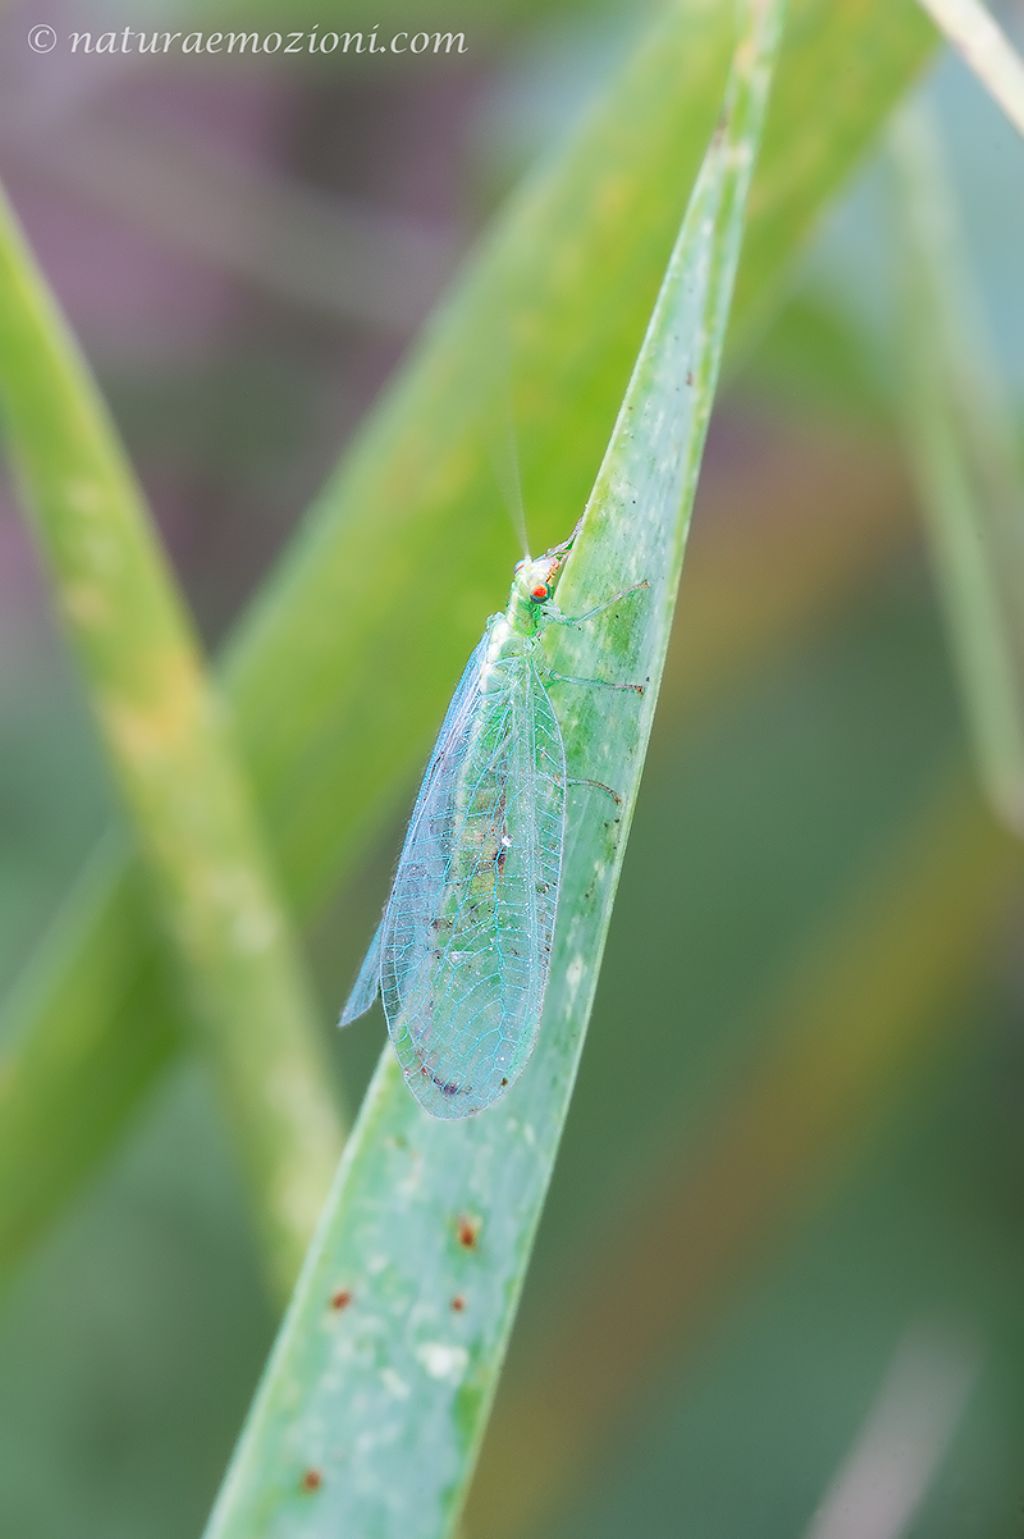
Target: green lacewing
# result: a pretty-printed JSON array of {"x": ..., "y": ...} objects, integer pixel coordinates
[{"x": 462, "y": 954}]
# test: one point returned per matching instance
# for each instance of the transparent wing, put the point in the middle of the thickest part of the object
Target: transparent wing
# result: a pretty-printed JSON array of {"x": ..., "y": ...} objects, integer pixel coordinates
[
  {"x": 364, "y": 989},
  {"x": 467, "y": 932},
  {"x": 460, "y": 707}
]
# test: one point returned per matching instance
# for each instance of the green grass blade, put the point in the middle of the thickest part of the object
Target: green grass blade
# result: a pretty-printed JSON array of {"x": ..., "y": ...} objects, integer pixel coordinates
[
  {"x": 370, "y": 1415},
  {"x": 169, "y": 749},
  {"x": 311, "y": 714},
  {"x": 962, "y": 443},
  {"x": 986, "y": 49}
]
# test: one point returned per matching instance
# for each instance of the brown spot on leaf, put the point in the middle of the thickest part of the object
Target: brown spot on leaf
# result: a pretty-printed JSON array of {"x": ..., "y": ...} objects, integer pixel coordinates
[
  {"x": 342, "y": 1299},
  {"x": 468, "y": 1232},
  {"x": 312, "y": 1480},
  {"x": 458, "y": 1303}
]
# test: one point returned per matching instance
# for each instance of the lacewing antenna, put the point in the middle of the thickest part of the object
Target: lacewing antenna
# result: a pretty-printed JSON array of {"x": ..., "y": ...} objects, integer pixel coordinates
[{"x": 505, "y": 460}]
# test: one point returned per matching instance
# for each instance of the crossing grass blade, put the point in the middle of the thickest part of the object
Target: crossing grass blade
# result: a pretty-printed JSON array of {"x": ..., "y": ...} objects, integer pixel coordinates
[
  {"x": 168, "y": 744},
  {"x": 372, "y": 1409},
  {"x": 977, "y": 36},
  {"x": 962, "y": 443},
  {"x": 421, "y": 470}
]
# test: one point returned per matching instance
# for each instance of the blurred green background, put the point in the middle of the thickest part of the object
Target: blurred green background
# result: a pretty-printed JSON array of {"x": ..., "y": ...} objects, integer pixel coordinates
[{"x": 810, "y": 1285}]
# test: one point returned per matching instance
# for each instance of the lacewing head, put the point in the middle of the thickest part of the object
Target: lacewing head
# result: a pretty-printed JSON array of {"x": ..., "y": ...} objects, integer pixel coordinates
[{"x": 536, "y": 577}]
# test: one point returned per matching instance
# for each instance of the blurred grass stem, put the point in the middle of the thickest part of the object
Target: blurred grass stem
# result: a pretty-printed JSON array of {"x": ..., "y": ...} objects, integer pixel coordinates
[
  {"x": 961, "y": 437},
  {"x": 986, "y": 50},
  {"x": 170, "y": 749}
]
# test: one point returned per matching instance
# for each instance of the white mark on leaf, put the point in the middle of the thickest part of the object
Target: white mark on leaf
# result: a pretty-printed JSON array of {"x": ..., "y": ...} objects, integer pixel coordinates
[{"x": 441, "y": 1360}]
